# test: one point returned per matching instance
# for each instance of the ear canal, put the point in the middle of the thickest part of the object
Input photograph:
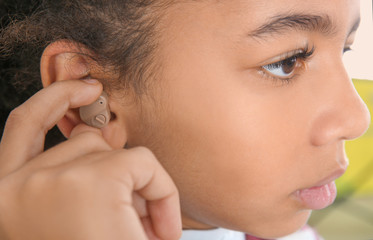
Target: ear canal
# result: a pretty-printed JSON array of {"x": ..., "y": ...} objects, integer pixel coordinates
[{"x": 96, "y": 114}]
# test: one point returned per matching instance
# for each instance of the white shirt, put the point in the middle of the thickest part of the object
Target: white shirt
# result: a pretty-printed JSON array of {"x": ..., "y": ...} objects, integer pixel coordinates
[
  {"x": 306, "y": 233},
  {"x": 214, "y": 234}
]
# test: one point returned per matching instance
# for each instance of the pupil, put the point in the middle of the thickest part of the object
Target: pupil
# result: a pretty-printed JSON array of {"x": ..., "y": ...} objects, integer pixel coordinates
[{"x": 289, "y": 64}]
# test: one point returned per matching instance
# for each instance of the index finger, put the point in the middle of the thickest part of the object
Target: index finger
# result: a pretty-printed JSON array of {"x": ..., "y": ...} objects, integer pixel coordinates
[{"x": 25, "y": 130}]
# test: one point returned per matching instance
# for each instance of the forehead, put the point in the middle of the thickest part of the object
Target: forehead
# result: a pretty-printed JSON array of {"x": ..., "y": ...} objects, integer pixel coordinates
[{"x": 251, "y": 14}]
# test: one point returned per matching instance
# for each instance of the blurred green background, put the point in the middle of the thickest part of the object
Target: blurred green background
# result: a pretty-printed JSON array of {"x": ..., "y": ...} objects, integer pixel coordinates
[
  {"x": 351, "y": 216},
  {"x": 358, "y": 179}
]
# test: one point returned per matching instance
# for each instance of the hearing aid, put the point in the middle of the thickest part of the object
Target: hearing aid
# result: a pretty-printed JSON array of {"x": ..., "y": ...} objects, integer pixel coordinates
[{"x": 96, "y": 114}]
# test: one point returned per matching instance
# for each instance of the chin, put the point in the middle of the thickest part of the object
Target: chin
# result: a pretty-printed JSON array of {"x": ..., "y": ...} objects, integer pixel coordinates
[{"x": 281, "y": 228}]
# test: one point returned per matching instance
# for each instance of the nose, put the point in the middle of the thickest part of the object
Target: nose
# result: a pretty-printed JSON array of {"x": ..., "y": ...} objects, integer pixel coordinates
[{"x": 342, "y": 114}]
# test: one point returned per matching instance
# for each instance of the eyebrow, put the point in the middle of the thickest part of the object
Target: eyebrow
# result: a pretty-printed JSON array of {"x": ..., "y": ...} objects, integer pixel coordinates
[{"x": 284, "y": 23}]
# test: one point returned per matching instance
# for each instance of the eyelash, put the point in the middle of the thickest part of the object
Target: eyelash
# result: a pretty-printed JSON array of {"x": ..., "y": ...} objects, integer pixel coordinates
[
  {"x": 304, "y": 55},
  {"x": 347, "y": 49},
  {"x": 295, "y": 56}
]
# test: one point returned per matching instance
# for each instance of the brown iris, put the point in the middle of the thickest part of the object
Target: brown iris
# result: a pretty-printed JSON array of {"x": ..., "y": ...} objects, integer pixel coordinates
[{"x": 288, "y": 65}]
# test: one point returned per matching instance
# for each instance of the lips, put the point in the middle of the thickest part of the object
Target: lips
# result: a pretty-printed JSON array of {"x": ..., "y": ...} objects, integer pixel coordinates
[
  {"x": 316, "y": 198},
  {"x": 330, "y": 178},
  {"x": 321, "y": 194}
]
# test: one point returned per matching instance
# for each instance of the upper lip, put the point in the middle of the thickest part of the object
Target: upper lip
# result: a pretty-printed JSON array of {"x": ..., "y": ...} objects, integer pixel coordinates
[{"x": 331, "y": 177}]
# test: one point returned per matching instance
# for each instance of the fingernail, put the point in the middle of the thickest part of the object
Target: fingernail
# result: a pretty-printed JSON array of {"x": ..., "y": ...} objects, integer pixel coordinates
[{"x": 91, "y": 81}]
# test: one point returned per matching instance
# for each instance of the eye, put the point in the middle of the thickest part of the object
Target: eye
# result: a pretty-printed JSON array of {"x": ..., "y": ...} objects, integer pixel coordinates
[
  {"x": 347, "y": 49},
  {"x": 284, "y": 68}
]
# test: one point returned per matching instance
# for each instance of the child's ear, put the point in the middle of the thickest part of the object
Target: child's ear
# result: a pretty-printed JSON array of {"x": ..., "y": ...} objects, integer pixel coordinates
[
  {"x": 61, "y": 61},
  {"x": 64, "y": 60}
]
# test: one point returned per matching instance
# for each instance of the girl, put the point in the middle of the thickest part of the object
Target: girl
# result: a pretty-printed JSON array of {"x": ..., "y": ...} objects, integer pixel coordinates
[{"x": 225, "y": 114}]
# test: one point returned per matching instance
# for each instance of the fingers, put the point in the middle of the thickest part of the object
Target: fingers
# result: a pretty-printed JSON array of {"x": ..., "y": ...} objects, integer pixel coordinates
[
  {"x": 165, "y": 216},
  {"x": 148, "y": 178},
  {"x": 136, "y": 169},
  {"x": 119, "y": 177},
  {"x": 163, "y": 201},
  {"x": 85, "y": 140},
  {"x": 27, "y": 125},
  {"x": 148, "y": 228}
]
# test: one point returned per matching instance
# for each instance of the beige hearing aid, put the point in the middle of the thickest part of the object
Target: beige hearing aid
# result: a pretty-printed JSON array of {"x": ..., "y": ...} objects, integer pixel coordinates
[{"x": 96, "y": 114}]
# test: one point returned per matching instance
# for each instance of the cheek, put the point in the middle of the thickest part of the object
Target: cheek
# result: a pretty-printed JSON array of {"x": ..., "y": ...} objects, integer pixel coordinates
[
  {"x": 227, "y": 143},
  {"x": 230, "y": 150},
  {"x": 229, "y": 130}
]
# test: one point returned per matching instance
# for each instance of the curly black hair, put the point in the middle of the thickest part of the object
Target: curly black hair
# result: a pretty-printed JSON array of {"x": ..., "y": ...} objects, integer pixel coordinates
[
  {"x": 11, "y": 93},
  {"x": 120, "y": 34}
]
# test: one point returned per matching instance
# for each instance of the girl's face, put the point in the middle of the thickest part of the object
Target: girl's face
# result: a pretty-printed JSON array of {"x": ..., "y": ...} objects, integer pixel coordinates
[{"x": 253, "y": 110}]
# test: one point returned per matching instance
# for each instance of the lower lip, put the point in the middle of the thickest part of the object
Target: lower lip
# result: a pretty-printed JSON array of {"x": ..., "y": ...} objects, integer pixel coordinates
[{"x": 318, "y": 197}]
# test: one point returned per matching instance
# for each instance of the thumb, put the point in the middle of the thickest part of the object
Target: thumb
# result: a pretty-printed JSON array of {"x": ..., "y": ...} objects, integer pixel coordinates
[{"x": 82, "y": 128}]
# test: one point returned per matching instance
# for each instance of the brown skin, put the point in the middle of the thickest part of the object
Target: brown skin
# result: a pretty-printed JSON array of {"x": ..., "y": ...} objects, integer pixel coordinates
[
  {"x": 237, "y": 144},
  {"x": 86, "y": 187},
  {"x": 83, "y": 188}
]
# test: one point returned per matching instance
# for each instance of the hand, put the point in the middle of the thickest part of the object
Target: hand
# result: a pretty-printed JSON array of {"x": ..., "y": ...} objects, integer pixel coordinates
[{"x": 81, "y": 188}]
